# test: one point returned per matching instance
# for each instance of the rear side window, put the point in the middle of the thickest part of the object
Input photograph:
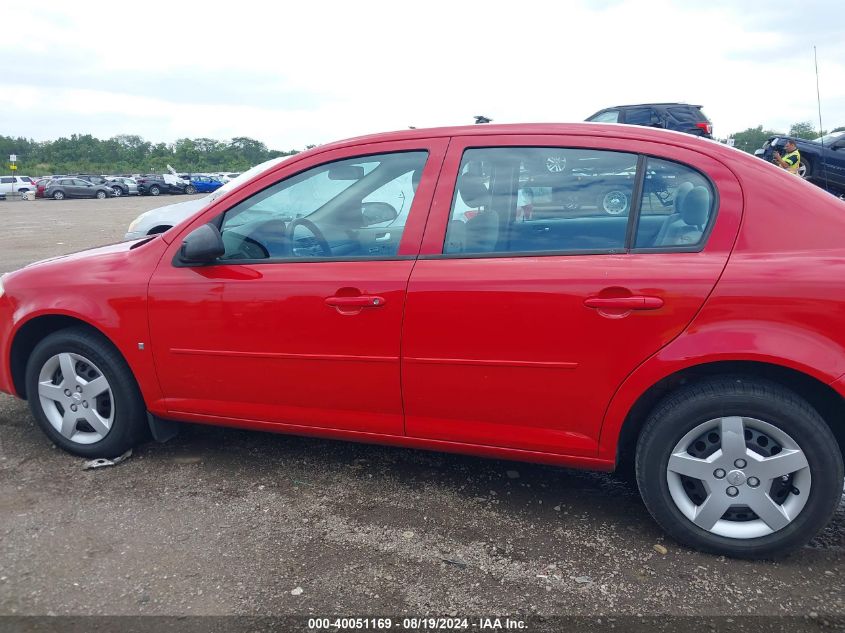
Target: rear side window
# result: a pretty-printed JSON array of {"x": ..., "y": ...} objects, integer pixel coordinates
[
  {"x": 6, "y": 180},
  {"x": 541, "y": 199},
  {"x": 640, "y": 116},
  {"x": 678, "y": 205}
]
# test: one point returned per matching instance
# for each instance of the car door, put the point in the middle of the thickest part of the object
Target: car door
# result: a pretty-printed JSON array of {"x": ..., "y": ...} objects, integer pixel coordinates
[
  {"x": 82, "y": 188},
  {"x": 530, "y": 304},
  {"x": 834, "y": 163},
  {"x": 281, "y": 329}
]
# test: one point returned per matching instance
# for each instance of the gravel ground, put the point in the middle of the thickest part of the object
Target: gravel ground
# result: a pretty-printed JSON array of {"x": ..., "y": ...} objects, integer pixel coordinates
[{"x": 222, "y": 521}]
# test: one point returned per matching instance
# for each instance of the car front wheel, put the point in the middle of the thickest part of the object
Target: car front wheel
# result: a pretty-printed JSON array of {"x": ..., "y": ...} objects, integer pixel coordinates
[
  {"x": 739, "y": 466},
  {"x": 805, "y": 169},
  {"x": 154, "y": 191},
  {"x": 83, "y": 395},
  {"x": 117, "y": 191}
]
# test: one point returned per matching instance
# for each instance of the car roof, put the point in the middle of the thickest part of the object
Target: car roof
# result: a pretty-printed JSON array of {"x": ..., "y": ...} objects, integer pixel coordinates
[{"x": 586, "y": 128}]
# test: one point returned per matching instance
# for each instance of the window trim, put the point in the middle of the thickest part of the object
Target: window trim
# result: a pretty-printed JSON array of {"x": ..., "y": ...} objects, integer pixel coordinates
[
  {"x": 633, "y": 215},
  {"x": 217, "y": 220}
]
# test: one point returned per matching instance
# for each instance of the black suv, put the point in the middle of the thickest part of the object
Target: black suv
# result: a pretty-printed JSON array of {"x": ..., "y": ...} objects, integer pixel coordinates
[{"x": 680, "y": 117}]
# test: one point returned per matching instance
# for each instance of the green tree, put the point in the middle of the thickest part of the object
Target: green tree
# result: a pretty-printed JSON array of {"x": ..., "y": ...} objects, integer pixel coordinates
[
  {"x": 751, "y": 139},
  {"x": 804, "y": 129}
]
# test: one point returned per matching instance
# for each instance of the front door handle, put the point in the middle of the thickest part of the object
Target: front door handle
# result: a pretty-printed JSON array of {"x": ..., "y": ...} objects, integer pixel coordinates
[
  {"x": 358, "y": 301},
  {"x": 636, "y": 302}
]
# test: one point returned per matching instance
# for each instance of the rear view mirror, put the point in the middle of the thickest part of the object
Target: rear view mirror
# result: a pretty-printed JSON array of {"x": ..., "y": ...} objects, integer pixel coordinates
[
  {"x": 377, "y": 212},
  {"x": 202, "y": 245},
  {"x": 346, "y": 172}
]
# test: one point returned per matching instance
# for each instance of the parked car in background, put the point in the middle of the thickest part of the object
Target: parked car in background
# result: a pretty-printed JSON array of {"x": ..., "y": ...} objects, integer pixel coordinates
[
  {"x": 352, "y": 274},
  {"x": 40, "y": 186},
  {"x": 680, "y": 117},
  {"x": 164, "y": 218},
  {"x": 157, "y": 184},
  {"x": 123, "y": 186},
  {"x": 205, "y": 184},
  {"x": 61, "y": 188},
  {"x": 822, "y": 159},
  {"x": 16, "y": 184}
]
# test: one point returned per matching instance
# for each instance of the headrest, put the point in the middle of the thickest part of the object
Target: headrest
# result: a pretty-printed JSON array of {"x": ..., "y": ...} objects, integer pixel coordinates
[
  {"x": 695, "y": 208},
  {"x": 683, "y": 189},
  {"x": 473, "y": 191}
]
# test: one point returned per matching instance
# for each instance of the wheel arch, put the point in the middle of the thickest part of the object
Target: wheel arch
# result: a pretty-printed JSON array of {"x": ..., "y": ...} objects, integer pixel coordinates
[
  {"x": 36, "y": 330},
  {"x": 822, "y": 397}
]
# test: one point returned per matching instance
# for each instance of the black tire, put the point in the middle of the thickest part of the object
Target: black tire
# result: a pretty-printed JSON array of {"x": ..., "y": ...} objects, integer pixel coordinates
[
  {"x": 117, "y": 191},
  {"x": 805, "y": 168},
  {"x": 154, "y": 190},
  {"x": 102, "y": 195},
  {"x": 683, "y": 410},
  {"x": 190, "y": 190},
  {"x": 58, "y": 195},
  {"x": 129, "y": 426}
]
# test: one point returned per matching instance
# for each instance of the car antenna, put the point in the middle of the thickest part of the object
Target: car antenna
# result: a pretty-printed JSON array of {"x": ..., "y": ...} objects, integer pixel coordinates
[
  {"x": 479, "y": 119},
  {"x": 821, "y": 129}
]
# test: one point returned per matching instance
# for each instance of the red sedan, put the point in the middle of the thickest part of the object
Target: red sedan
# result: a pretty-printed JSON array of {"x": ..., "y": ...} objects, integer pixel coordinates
[{"x": 581, "y": 295}]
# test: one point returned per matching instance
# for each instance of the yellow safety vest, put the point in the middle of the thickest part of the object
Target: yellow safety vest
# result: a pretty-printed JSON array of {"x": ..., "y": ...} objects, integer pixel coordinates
[{"x": 793, "y": 169}]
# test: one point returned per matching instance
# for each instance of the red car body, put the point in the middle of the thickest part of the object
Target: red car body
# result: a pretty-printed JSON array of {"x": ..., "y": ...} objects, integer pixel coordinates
[{"x": 493, "y": 356}]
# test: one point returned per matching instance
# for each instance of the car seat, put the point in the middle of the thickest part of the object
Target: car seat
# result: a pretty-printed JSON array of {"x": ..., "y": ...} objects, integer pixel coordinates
[{"x": 686, "y": 226}]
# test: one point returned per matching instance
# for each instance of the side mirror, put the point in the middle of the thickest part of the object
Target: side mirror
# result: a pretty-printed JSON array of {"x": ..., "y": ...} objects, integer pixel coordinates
[
  {"x": 377, "y": 212},
  {"x": 203, "y": 245}
]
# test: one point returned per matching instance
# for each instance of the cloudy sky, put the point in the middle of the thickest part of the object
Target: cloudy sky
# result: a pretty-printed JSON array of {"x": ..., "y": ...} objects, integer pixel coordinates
[{"x": 297, "y": 73}]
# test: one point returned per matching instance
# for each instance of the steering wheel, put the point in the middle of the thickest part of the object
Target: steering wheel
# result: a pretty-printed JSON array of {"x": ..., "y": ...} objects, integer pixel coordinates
[{"x": 322, "y": 242}]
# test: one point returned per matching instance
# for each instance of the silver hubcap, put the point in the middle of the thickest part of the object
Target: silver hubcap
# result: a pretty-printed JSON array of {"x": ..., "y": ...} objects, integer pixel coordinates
[
  {"x": 76, "y": 398},
  {"x": 802, "y": 170},
  {"x": 556, "y": 164},
  {"x": 615, "y": 202},
  {"x": 738, "y": 477}
]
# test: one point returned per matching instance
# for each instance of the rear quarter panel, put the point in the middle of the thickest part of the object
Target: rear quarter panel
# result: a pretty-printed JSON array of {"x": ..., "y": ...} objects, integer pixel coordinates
[{"x": 780, "y": 299}]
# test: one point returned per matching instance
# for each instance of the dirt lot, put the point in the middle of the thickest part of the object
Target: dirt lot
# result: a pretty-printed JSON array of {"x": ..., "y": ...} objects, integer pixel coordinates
[{"x": 221, "y": 521}]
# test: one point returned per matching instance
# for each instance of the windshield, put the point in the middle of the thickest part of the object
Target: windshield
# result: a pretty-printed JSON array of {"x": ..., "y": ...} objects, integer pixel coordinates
[
  {"x": 829, "y": 139},
  {"x": 247, "y": 175}
]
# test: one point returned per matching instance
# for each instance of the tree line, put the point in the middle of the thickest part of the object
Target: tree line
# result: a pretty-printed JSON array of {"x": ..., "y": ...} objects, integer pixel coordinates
[
  {"x": 131, "y": 154},
  {"x": 754, "y": 137}
]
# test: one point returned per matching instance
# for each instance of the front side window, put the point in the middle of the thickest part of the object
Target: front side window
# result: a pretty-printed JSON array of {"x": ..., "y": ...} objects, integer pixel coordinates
[
  {"x": 678, "y": 205},
  {"x": 531, "y": 199},
  {"x": 354, "y": 208}
]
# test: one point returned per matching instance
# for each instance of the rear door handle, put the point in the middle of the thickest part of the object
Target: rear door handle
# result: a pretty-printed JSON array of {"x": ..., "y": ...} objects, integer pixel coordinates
[
  {"x": 359, "y": 301},
  {"x": 636, "y": 302}
]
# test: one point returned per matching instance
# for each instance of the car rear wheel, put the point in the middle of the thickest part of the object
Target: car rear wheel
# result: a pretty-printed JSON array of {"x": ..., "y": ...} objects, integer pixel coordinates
[
  {"x": 117, "y": 191},
  {"x": 741, "y": 467},
  {"x": 83, "y": 395},
  {"x": 614, "y": 201},
  {"x": 58, "y": 195},
  {"x": 154, "y": 190},
  {"x": 101, "y": 194}
]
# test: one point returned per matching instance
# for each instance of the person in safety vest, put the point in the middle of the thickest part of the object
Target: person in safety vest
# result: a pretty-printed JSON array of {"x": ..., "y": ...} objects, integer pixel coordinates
[{"x": 791, "y": 160}]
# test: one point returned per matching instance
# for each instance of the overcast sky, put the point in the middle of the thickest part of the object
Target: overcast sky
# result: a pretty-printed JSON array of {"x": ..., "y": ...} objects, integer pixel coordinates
[{"x": 297, "y": 73}]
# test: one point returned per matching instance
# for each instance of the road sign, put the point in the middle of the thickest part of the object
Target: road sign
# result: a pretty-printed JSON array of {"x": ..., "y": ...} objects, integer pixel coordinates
[
  {"x": 13, "y": 167},
  {"x": 13, "y": 158}
]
